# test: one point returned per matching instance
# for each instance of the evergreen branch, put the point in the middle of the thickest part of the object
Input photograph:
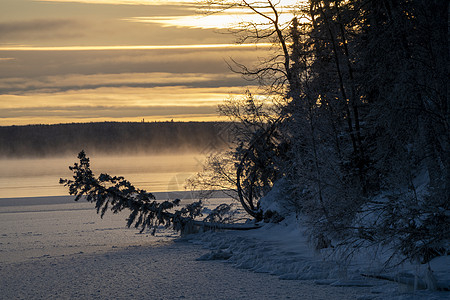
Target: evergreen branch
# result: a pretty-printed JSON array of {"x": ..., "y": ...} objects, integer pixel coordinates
[{"x": 116, "y": 194}]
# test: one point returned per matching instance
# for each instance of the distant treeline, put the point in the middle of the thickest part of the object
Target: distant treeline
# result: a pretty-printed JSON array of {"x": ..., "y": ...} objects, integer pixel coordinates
[{"x": 111, "y": 138}]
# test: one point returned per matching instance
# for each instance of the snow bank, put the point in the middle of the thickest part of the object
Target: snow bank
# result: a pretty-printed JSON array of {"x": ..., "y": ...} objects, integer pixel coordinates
[{"x": 283, "y": 250}]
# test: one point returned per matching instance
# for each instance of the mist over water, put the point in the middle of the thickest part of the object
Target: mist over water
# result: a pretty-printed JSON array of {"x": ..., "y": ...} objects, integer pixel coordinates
[
  {"x": 112, "y": 138},
  {"x": 37, "y": 177},
  {"x": 157, "y": 157}
]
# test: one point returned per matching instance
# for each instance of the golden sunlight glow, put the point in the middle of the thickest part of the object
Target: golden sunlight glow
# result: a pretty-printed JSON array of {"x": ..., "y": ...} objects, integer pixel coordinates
[
  {"x": 127, "y": 2},
  {"x": 233, "y": 18},
  {"x": 153, "y": 118},
  {"x": 215, "y": 21},
  {"x": 281, "y": 3},
  {"x": 127, "y": 47},
  {"x": 121, "y": 97},
  {"x": 115, "y": 104}
]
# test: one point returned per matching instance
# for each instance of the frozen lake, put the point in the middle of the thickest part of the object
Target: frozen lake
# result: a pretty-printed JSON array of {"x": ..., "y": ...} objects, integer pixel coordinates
[
  {"x": 57, "y": 226},
  {"x": 54, "y": 248},
  {"x": 43, "y": 227}
]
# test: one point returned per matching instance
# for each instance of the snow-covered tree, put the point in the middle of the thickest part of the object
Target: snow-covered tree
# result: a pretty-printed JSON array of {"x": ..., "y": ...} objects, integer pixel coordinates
[
  {"x": 372, "y": 119},
  {"x": 117, "y": 194},
  {"x": 366, "y": 84}
]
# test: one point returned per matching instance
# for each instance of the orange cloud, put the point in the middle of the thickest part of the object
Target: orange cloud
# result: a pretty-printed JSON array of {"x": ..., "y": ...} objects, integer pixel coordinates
[
  {"x": 130, "y": 47},
  {"x": 127, "y": 2},
  {"x": 115, "y": 104}
]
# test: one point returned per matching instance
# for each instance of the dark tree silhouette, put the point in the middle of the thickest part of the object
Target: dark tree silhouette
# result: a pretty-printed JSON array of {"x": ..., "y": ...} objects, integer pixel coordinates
[{"x": 117, "y": 194}]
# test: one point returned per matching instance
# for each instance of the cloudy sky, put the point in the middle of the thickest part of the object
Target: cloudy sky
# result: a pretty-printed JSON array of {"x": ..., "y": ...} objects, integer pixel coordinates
[{"x": 116, "y": 60}]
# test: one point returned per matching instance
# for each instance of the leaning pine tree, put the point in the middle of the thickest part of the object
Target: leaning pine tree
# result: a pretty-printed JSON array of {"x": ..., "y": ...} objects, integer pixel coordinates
[{"x": 117, "y": 194}]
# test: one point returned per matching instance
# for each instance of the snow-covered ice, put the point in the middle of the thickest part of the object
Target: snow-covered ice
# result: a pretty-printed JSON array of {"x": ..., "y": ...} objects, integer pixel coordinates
[
  {"x": 147, "y": 272},
  {"x": 58, "y": 249}
]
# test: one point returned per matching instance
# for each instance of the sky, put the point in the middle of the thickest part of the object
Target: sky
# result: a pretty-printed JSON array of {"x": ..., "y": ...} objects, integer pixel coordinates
[{"x": 64, "y": 61}]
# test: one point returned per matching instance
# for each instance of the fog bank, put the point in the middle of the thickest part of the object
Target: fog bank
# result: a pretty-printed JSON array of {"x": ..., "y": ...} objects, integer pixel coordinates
[{"x": 112, "y": 138}]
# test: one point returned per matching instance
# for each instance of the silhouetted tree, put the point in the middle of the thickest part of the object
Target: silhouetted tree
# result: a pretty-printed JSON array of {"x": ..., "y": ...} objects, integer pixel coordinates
[{"x": 117, "y": 194}]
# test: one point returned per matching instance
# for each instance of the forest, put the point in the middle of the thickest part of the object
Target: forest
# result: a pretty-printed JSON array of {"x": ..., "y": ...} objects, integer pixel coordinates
[
  {"x": 111, "y": 138},
  {"x": 353, "y": 134}
]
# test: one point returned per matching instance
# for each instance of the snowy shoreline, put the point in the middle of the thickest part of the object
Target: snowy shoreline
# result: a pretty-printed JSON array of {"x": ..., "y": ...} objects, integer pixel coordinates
[
  {"x": 282, "y": 250},
  {"x": 48, "y": 246}
]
